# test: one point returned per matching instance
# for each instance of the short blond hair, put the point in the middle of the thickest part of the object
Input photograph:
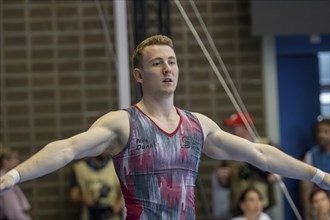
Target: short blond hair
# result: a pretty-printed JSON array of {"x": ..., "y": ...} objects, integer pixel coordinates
[{"x": 153, "y": 40}]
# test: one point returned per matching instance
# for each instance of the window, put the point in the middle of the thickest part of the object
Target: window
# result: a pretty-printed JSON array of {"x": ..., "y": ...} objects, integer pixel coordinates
[{"x": 324, "y": 66}]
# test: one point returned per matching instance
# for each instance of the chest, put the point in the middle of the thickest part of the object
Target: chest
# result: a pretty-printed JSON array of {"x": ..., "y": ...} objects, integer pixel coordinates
[
  {"x": 183, "y": 148},
  {"x": 153, "y": 149}
]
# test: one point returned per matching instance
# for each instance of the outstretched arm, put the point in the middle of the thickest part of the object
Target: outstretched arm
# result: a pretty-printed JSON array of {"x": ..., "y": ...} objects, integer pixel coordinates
[
  {"x": 59, "y": 153},
  {"x": 224, "y": 146},
  {"x": 103, "y": 134}
]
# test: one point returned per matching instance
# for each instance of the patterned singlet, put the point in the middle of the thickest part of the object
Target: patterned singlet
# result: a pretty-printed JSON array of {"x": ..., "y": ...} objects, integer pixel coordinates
[{"x": 157, "y": 170}]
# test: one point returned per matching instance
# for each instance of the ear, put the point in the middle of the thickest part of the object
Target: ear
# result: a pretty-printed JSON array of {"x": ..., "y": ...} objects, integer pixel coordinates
[{"x": 137, "y": 73}]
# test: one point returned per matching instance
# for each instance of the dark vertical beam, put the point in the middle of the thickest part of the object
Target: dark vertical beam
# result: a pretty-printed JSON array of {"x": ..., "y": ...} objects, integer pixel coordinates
[
  {"x": 140, "y": 25},
  {"x": 164, "y": 17},
  {"x": 140, "y": 32}
]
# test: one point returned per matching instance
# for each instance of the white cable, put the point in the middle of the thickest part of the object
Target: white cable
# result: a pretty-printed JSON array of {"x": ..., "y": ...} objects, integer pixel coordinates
[
  {"x": 225, "y": 71},
  {"x": 230, "y": 95},
  {"x": 106, "y": 33},
  {"x": 207, "y": 55},
  {"x": 288, "y": 197}
]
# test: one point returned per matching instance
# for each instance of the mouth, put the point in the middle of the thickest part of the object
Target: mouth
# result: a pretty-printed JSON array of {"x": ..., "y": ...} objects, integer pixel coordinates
[{"x": 167, "y": 80}]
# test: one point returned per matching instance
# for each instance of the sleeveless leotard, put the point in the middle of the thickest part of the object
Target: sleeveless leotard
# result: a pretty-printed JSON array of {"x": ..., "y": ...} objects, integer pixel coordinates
[{"x": 157, "y": 170}]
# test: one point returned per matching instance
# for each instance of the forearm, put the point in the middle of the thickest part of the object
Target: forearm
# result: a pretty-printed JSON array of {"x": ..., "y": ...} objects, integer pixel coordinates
[
  {"x": 224, "y": 146},
  {"x": 52, "y": 157},
  {"x": 275, "y": 161}
]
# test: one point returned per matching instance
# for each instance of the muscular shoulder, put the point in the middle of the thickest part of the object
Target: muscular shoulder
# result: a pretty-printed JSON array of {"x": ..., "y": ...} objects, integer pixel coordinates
[
  {"x": 115, "y": 121},
  {"x": 208, "y": 125}
]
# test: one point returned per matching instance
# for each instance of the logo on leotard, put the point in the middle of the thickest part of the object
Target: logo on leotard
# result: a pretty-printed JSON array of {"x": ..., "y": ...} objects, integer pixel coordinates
[
  {"x": 189, "y": 141},
  {"x": 142, "y": 143}
]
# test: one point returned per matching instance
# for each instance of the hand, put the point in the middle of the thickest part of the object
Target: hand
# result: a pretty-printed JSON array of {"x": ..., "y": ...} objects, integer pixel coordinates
[
  {"x": 271, "y": 178},
  {"x": 117, "y": 209},
  {"x": 6, "y": 183},
  {"x": 88, "y": 200},
  {"x": 325, "y": 184}
]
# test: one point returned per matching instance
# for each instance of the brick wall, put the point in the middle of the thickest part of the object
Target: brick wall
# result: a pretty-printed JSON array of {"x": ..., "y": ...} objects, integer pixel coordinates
[{"x": 57, "y": 77}]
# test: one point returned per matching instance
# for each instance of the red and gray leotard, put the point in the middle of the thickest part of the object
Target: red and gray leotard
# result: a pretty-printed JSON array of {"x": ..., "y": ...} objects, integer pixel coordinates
[{"x": 157, "y": 170}]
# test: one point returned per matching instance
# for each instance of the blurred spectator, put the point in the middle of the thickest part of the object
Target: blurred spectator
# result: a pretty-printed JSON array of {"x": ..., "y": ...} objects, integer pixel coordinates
[
  {"x": 95, "y": 185},
  {"x": 318, "y": 156},
  {"x": 221, "y": 191},
  {"x": 320, "y": 205},
  {"x": 13, "y": 204},
  {"x": 251, "y": 206},
  {"x": 234, "y": 177}
]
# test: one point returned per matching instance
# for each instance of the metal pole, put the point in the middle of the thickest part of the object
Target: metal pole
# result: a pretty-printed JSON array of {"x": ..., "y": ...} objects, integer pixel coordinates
[{"x": 123, "y": 80}]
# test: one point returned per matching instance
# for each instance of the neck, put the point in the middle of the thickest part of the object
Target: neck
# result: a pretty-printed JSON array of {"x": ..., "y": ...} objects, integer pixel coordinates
[
  {"x": 251, "y": 216},
  {"x": 324, "y": 215},
  {"x": 157, "y": 107}
]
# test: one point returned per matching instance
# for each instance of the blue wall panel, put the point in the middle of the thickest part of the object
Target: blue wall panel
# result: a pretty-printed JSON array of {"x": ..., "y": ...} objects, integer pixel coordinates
[{"x": 299, "y": 107}]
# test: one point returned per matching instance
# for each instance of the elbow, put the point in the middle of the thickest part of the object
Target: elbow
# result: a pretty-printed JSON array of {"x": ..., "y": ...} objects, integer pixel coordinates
[
  {"x": 260, "y": 160},
  {"x": 68, "y": 155}
]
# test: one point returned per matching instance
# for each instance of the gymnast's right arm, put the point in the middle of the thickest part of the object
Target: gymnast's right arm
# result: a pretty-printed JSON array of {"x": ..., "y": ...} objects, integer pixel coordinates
[{"x": 57, "y": 154}]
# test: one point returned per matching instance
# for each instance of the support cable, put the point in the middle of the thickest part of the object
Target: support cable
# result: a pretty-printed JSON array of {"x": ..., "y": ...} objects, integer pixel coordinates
[{"x": 226, "y": 88}]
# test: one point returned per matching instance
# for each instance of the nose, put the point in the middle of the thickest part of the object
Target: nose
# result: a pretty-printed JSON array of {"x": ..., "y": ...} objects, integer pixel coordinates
[{"x": 166, "y": 68}]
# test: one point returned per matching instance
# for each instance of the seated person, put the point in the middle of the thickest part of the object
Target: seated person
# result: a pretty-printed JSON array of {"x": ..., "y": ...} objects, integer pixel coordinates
[
  {"x": 95, "y": 185},
  {"x": 251, "y": 206},
  {"x": 221, "y": 191},
  {"x": 318, "y": 156},
  {"x": 320, "y": 204},
  {"x": 13, "y": 204},
  {"x": 242, "y": 175}
]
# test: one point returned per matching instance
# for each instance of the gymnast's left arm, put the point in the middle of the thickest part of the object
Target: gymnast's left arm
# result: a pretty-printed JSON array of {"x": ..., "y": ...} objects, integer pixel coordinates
[{"x": 221, "y": 145}]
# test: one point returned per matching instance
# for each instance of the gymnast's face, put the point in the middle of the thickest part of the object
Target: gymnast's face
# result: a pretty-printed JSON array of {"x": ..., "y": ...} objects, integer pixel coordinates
[{"x": 159, "y": 71}]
